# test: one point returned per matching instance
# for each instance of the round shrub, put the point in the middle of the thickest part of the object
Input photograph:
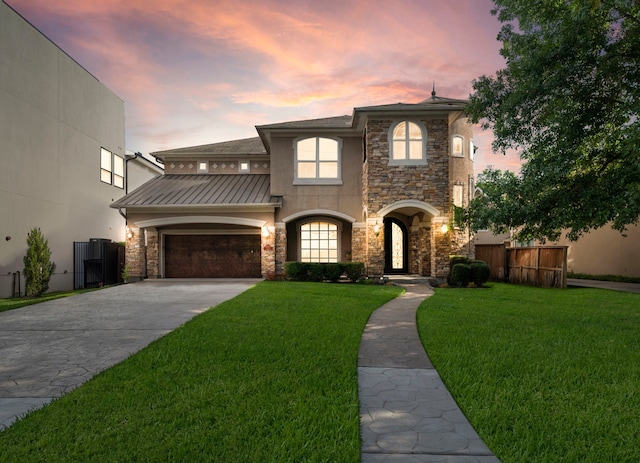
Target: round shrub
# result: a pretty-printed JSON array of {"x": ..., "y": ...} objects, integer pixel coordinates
[
  {"x": 480, "y": 272},
  {"x": 460, "y": 275}
]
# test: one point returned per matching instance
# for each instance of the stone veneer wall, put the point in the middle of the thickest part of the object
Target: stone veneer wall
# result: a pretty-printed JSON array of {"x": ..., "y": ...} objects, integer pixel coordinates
[
  {"x": 268, "y": 254},
  {"x": 359, "y": 242},
  {"x": 281, "y": 249},
  {"x": 135, "y": 254},
  {"x": 153, "y": 254},
  {"x": 384, "y": 184}
]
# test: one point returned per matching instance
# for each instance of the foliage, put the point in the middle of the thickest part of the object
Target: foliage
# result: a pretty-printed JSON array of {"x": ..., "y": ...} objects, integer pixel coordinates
[
  {"x": 311, "y": 271},
  {"x": 568, "y": 100},
  {"x": 543, "y": 375},
  {"x": 269, "y": 376},
  {"x": 38, "y": 267},
  {"x": 480, "y": 272},
  {"x": 460, "y": 275}
]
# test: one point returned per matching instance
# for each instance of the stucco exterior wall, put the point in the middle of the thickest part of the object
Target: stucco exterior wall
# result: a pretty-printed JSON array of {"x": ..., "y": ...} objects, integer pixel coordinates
[
  {"x": 345, "y": 198},
  {"x": 54, "y": 118}
]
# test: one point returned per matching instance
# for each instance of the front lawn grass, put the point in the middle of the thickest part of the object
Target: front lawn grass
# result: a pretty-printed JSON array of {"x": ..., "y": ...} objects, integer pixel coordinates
[
  {"x": 543, "y": 375},
  {"x": 269, "y": 376}
]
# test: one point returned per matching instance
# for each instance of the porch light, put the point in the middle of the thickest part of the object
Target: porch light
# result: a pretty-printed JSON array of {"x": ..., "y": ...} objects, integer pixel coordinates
[
  {"x": 376, "y": 229},
  {"x": 129, "y": 233},
  {"x": 444, "y": 228},
  {"x": 265, "y": 231}
]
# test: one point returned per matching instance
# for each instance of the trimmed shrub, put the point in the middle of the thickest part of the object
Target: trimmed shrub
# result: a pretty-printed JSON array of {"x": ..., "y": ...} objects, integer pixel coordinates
[
  {"x": 460, "y": 275},
  {"x": 296, "y": 271},
  {"x": 354, "y": 270},
  {"x": 315, "y": 272},
  {"x": 480, "y": 272},
  {"x": 311, "y": 271},
  {"x": 332, "y": 272}
]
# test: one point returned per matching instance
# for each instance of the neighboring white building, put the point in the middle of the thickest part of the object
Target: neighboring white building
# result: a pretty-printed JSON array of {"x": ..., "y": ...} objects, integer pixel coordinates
[{"x": 62, "y": 152}]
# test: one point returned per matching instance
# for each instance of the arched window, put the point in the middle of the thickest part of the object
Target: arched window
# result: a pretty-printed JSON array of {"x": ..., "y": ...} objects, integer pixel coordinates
[
  {"x": 317, "y": 160},
  {"x": 408, "y": 141},
  {"x": 319, "y": 242}
]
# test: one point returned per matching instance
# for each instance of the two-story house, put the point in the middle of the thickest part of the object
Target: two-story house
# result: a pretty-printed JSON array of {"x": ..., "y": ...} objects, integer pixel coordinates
[{"x": 377, "y": 186}]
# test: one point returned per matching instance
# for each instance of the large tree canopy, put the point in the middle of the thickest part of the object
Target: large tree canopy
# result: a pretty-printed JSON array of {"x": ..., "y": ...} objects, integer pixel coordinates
[{"x": 568, "y": 101}]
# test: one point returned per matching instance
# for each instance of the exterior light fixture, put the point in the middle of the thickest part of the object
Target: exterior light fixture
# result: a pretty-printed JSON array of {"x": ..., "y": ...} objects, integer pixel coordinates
[
  {"x": 265, "y": 231},
  {"x": 129, "y": 233},
  {"x": 376, "y": 229},
  {"x": 444, "y": 228}
]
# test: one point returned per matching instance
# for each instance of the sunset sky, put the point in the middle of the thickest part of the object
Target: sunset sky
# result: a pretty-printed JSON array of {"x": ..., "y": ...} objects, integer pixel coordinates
[{"x": 194, "y": 72}]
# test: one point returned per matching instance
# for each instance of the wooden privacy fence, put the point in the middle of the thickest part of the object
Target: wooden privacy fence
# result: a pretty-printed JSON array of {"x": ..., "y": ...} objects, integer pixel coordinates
[{"x": 544, "y": 266}]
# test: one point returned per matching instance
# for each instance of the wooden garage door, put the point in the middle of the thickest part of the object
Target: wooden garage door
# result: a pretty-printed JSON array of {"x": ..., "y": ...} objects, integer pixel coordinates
[{"x": 212, "y": 256}]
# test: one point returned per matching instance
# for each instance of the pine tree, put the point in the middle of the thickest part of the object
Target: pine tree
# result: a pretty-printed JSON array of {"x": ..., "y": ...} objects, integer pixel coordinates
[{"x": 38, "y": 267}]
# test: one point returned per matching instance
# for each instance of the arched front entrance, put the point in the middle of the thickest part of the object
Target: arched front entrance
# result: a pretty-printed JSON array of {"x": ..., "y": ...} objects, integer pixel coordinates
[{"x": 396, "y": 246}]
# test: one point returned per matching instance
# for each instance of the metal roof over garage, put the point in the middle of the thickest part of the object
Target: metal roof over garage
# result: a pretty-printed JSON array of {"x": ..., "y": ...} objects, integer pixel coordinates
[{"x": 202, "y": 190}]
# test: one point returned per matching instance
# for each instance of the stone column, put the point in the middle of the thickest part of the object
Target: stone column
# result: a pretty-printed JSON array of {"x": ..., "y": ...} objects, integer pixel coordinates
[
  {"x": 375, "y": 247},
  {"x": 135, "y": 253},
  {"x": 440, "y": 247},
  {"x": 268, "y": 252},
  {"x": 153, "y": 253},
  {"x": 359, "y": 242},
  {"x": 281, "y": 249}
]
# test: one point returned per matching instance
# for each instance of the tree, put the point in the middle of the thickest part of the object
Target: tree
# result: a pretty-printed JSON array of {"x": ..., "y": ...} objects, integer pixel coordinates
[
  {"x": 568, "y": 101},
  {"x": 38, "y": 267}
]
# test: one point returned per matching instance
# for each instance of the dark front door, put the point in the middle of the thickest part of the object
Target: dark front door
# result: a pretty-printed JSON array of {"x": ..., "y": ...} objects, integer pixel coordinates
[
  {"x": 396, "y": 246},
  {"x": 212, "y": 256}
]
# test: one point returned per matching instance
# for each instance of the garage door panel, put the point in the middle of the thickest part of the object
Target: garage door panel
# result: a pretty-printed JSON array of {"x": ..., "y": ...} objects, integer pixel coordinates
[{"x": 212, "y": 256}]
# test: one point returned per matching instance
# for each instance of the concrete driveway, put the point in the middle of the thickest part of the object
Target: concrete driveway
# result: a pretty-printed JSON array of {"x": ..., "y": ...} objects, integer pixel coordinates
[{"x": 50, "y": 348}]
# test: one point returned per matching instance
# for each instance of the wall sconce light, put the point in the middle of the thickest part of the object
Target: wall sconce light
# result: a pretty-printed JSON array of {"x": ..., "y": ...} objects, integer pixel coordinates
[
  {"x": 265, "y": 231},
  {"x": 129, "y": 233},
  {"x": 444, "y": 228},
  {"x": 376, "y": 228}
]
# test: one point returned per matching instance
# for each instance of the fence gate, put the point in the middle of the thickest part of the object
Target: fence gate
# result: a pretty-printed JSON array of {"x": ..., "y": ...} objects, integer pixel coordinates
[{"x": 96, "y": 263}]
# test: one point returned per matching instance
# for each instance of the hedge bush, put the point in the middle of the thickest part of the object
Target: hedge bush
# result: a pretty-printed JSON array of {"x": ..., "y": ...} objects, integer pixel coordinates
[
  {"x": 460, "y": 275},
  {"x": 480, "y": 272},
  {"x": 311, "y": 271}
]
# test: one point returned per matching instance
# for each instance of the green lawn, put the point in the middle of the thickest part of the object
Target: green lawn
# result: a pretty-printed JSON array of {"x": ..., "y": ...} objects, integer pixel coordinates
[
  {"x": 543, "y": 375},
  {"x": 269, "y": 376}
]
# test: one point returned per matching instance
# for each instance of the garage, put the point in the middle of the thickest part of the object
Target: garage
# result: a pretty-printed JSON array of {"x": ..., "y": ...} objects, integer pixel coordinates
[{"x": 212, "y": 256}]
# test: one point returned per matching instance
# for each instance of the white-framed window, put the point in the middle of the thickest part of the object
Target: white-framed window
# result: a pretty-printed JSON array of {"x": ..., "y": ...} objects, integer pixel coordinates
[
  {"x": 319, "y": 241},
  {"x": 203, "y": 167},
  {"x": 317, "y": 160},
  {"x": 407, "y": 143},
  {"x": 111, "y": 168},
  {"x": 244, "y": 167},
  {"x": 458, "y": 195},
  {"x": 457, "y": 146}
]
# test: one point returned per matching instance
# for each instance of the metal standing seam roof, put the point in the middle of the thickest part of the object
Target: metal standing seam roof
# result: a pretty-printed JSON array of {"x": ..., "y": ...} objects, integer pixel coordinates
[{"x": 201, "y": 190}]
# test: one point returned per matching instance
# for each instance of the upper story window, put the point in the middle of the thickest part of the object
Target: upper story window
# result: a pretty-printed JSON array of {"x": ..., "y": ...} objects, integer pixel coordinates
[
  {"x": 457, "y": 146},
  {"x": 111, "y": 168},
  {"x": 472, "y": 149},
  {"x": 408, "y": 142},
  {"x": 317, "y": 160}
]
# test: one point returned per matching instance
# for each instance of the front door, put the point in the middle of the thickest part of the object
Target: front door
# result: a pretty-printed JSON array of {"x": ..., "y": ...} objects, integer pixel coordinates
[{"x": 395, "y": 246}]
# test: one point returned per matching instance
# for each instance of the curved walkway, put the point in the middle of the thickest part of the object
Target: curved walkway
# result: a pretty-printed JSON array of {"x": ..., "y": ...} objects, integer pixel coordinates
[
  {"x": 406, "y": 412},
  {"x": 50, "y": 348}
]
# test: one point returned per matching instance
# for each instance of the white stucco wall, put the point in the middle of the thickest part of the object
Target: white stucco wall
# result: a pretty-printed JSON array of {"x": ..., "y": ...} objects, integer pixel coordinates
[{"x": 54, "y": 118}]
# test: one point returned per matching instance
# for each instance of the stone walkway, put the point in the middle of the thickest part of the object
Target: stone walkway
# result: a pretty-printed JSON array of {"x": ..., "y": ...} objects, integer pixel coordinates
[{"x": 406, "y": 412}]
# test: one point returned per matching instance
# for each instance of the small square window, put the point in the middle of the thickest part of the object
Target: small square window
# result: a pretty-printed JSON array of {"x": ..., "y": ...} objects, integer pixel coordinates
[
  {"x": 244, "y": 167},
  {"x": 203, "y": 167}
]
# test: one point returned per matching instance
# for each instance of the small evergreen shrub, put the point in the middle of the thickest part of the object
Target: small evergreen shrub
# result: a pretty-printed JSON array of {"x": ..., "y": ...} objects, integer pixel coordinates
[
  {"x": 333, "y": 272},
  {"x": 38, "y": 267},
  {"x": 315, "y": 271},
  {"x": 480, "y": 272},
  {"x": 311, "y": 271},
  {"x": 354, "y": 270},
  {"x": 460, "y": 275},
  {"x": 296, "y": 271}
]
